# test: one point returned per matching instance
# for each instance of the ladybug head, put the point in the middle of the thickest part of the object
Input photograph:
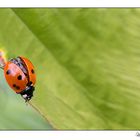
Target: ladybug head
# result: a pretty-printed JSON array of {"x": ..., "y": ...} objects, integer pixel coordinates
[{"x": 27, "y": 94}]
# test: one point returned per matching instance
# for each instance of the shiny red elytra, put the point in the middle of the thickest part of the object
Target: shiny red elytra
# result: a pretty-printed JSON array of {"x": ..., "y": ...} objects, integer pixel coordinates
[{"x": 20, "y": 76}]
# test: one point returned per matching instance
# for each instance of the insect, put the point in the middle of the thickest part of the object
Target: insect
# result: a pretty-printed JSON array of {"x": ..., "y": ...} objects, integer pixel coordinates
[{"x": 20, "y": 75}]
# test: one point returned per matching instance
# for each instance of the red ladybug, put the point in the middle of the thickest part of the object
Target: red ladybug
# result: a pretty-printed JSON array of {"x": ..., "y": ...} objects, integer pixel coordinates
[{"x": 20, "y": 75}]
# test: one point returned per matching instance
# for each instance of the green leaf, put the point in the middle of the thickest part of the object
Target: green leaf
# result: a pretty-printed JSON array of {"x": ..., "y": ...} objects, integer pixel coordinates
[{"x": 87, "y": 63}]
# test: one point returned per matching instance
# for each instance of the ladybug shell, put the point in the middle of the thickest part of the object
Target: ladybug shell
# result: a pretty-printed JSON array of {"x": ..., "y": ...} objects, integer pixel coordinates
[
  {"x": 30, "y": 68},
  {"x": 15, "y": 76},
  {"x": 12, "y": 72}
]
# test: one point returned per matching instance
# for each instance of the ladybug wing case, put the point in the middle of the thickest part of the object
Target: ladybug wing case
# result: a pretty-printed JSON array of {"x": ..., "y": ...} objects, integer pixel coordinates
[
  {"x": 30, "y": 69},
  {"x": 15, "y": 77}
]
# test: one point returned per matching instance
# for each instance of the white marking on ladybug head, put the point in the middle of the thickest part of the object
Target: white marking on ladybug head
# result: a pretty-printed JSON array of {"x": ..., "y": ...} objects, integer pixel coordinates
[{"x": 24, "y": 96}]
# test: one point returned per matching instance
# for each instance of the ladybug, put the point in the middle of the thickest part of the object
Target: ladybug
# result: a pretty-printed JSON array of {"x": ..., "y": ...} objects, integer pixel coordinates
[{"x": 20, "y": 75}]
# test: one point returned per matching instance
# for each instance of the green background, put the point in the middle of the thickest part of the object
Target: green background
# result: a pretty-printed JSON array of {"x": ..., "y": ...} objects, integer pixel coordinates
[{"x": 87, "y": 65}]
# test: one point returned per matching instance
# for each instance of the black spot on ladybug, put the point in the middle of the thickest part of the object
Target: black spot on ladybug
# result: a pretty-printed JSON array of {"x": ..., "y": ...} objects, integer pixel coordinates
[
  {"x": 14, "y": 85},
  {"x": 32, "y": 71},
  {"x": 8, "y": 72},
  {"x": 19, "y": 77},
  {"x": 17, "y": 87}
]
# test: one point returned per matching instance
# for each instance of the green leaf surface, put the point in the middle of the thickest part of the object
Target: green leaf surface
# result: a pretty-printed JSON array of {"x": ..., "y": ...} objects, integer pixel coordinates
[{"x": 87, "y": 63}]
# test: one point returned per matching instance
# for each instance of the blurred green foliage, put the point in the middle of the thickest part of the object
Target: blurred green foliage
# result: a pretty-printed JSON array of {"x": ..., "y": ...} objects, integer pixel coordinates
[{"x": 87, "y": 64}]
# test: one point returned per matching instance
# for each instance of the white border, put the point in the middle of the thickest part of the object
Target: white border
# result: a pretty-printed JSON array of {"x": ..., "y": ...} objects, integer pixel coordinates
[
  {"x": 69, "y": 135},
  {"x": 70, "y": 3}
]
